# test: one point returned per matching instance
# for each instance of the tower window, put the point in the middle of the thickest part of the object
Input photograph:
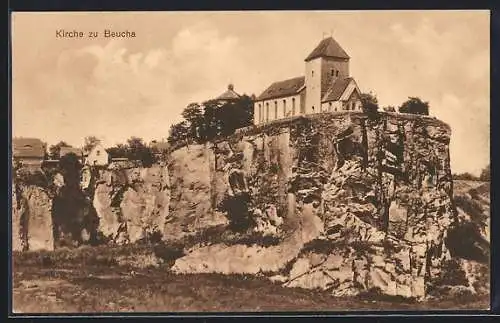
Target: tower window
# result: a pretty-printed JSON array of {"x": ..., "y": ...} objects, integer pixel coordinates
[
  {"x": 312, "y": 73},
  {"x": 332, "y": 72}
]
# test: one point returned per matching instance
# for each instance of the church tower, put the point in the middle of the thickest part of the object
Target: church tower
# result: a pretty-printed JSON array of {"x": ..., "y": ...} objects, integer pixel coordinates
[{"x": 326, "y": 63}]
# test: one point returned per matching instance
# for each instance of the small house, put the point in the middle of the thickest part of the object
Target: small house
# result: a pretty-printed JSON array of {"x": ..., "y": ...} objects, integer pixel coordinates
[
  {"x": 97, "y": 156},
  {"x": 29, "y": 152}
]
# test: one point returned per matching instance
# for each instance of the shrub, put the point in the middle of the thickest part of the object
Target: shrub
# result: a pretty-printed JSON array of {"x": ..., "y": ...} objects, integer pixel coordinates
[{"x": 415, "y": 105}]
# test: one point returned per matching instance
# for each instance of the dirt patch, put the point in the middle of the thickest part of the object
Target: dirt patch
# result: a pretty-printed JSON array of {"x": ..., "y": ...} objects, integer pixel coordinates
[{"x": 100, "y": 289}]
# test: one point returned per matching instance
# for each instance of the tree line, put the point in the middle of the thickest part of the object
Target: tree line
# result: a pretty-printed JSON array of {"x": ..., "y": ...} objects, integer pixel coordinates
[
  {"x": 206, "y": 121},
  {"x": 133, "y": 149},
  {"x": 484, "y": 176},
  {"x": 413, "y": 105}
]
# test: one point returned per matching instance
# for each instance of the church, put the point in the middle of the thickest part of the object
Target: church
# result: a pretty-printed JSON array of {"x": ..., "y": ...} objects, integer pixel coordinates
[{"x": 325, "y": 87}]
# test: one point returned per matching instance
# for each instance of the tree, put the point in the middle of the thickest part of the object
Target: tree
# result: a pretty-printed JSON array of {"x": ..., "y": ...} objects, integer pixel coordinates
[
  {"x": 178, "y": 133},
  {"x": 212, "y": 123},
  {"x": 90, "y": 142},
  {"x": 55, "y": 150},
  {"x": 369, "y": 103},
  {"x": 118, "y": 151},
  {"x": 212, "y": 118},
  {"x": 485, "y": 174},
  {"x": 234, "y": 115},
  {"x": 222, "y": 118},
  {"x": 70, "y": 168},
  {"x": 193, "y": 114},
  {"x": 137, "y": 150},
  {"x": 414, "y": 105},
  {"x": 465, "y": 177}
]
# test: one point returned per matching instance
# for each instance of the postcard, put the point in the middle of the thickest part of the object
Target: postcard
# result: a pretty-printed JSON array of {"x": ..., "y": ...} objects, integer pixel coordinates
[{"x": 250, "y": 161}]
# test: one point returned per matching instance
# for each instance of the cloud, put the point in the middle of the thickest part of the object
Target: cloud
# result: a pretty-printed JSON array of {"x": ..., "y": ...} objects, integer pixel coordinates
[{"x": 103, "y": 88}]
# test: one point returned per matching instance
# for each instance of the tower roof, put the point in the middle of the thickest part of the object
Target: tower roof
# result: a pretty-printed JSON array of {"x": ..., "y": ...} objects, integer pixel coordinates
[
  {"x": 230, "y": 94},
  {"x": 328, "y": 47}
]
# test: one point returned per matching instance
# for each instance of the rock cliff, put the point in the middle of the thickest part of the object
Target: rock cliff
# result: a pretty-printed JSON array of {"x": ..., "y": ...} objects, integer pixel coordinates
[
  {"x": 32, "y": 226},
  {"x": 381, "y": 187},
  {"x": 343, "y": 202},
  {"x": 132, "y": 204}
]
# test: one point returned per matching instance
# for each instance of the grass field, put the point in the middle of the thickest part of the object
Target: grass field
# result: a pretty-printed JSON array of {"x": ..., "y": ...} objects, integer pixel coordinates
[{"x": 102, "y": 286}]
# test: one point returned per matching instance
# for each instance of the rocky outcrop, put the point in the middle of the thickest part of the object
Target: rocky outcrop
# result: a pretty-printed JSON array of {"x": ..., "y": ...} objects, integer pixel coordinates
[
  {"x": 132, "y": 204},
  {"x": 191, "y": 171},
  {"x": 243, "y": 259},
  {"x": 353, "y": 204},
  {"x": 32, "y": 227},
  {"x": 381, "y": 187}
]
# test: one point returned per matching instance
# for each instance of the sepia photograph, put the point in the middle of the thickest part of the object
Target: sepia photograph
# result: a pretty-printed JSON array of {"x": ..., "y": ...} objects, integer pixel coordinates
[{"x": 250, "y": 161}]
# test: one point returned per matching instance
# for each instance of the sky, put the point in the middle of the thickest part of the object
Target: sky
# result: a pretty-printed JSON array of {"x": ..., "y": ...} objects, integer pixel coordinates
[{"x": 115, "y": 88}]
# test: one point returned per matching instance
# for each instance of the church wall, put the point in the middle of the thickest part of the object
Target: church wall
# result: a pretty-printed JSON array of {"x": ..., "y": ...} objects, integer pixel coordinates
[
  {"x": 257, "y": 112},
  {"x": 355, "y": 100},
  {"x": 331, "y": 106},
  {"x": 283, "y": 106},
  {"x": 303, "y": 101}
]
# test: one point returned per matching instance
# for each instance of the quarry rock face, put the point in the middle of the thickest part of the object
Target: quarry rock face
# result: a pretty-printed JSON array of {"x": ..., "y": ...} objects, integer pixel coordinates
[
  {"x": 381, "y": 188},
  {"x": 351, "y": 204},
  {"x": 31, "y": 218},
  {"x": 132, "y": 204},
  {"x": 242, "y": 259},
  {"x": 192, "y": 191}
]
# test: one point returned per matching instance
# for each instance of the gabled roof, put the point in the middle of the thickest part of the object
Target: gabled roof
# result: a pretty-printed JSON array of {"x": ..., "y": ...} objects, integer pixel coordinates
[
  {"x": 68, "y": 150},
  {"x": 28, "y": 148},
  {"x": 335, "y": 91},
  {"x": 283, "y": 88},
  {"x": 328, "y": 47},
  {"x": 230, "y": 94}
]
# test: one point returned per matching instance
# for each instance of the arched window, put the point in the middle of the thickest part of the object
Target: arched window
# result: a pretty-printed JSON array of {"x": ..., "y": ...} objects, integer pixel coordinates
[
  {"x": 313, "y": 108},
  {"x": 332, "y": 72},
  {"x": 275, "y": 109},
  {"x": 261, "y": 116},
  {"x": 337, "y": 73},
  {"x": 293, "y": 106},
  {"x": 312, "y": 73},
  {"x": 267, "y": 111},
  {"x": 330, "y": 107},
  {"x": 284, "y": 108}
]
